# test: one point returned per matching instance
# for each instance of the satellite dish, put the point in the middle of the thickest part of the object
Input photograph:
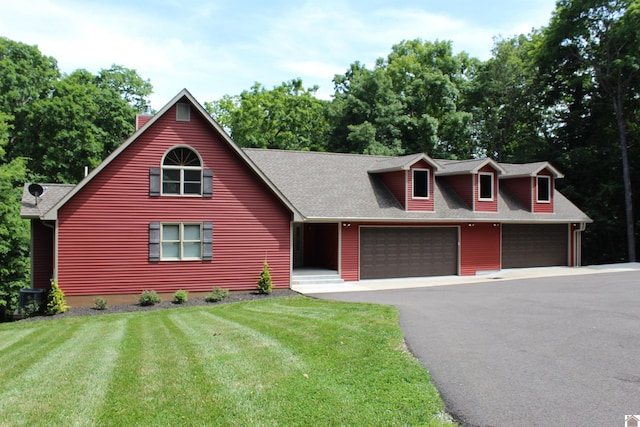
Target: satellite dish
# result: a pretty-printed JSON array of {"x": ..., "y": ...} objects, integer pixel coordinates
[{"x": 36, "y": 190}]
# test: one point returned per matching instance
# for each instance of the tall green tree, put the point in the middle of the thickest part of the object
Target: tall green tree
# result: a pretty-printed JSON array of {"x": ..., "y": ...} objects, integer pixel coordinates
[
  {"x": 509, "y": 119},
  {"x": 287, "y": 117},
  {"x": 14, "y": 231},
  {"x": 599, "y": 39},
  {"x": 409, "y": 102},
  {"x": 366, "y": 115}
]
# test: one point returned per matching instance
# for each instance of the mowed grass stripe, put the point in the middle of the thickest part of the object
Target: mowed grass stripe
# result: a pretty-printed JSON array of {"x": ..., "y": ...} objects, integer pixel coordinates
[
  {"x": 10, "y": 337},
  {"x": 66, "y": 386},
  {"x": 248, "y": 387},
  {"x": 349, "y": 368},
  {"x": 32, "y": 348}
]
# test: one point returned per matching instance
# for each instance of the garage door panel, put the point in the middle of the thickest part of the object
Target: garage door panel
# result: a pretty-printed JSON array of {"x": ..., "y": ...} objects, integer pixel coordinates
[
  {"x": 387, "y": 252},
  {"x": 534, "y": 245}
]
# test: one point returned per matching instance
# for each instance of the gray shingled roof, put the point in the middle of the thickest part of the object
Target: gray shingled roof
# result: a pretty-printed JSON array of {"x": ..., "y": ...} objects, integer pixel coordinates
[
  {"x": 333, "y": 186},
  {"x": 528, "y": 169},
  {"x": 401, "y": 163},
  {"x": 53, "y": 194}
]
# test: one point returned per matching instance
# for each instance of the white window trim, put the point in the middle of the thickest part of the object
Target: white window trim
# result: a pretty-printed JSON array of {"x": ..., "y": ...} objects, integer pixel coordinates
[
  {"x": 413, "y": 183},
  {"x": 181, "y": 241},
  {"x": 493, "y": 191},
  {"x": 548, "y": 178},
  {"x": 181, "y": 169}
]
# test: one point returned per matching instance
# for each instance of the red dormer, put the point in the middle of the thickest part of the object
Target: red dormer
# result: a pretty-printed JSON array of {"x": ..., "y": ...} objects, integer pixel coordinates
[
  {"x": 532, "y": 184},
  {"x": 475, "y": 182},
  {"x": 410, "y": 179}
]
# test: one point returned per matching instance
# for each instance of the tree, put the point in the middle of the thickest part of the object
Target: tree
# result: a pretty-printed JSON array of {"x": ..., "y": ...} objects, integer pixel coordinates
[
  {"x": 508, "y": 116},
  {"x": 286, "y": 117},
  {"x": 408, "y": 103},
  {"x": 14, "y": 231},
  {"x": 600, "y": 39},
  {"x": 432, "y": 81},
  {"x": 366, "y": 115}
]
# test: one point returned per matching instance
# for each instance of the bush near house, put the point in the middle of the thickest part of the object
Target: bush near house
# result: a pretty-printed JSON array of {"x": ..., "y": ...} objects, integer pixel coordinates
[
  {"x": 56, "y": 303},
  {"x": 148, "y": 298},
  {"x": 265, "y": 285}
]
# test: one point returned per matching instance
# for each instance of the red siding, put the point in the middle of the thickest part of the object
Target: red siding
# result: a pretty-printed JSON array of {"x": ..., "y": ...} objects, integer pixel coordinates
[
  {"x": 543, "y": 207},
  {"x": 420, "y": 204},
  {"x": 479, "y": 248},
  {"x": 103, "y": 230},
  {"x": 481, "y": 205},
  {"x": 463, "y": 186},
  {"x": 349, "y": 255},
  {"x": 520, "y": 189},
  {"x": 395, "y": 183},
  {"x": 41, "y": 255}
]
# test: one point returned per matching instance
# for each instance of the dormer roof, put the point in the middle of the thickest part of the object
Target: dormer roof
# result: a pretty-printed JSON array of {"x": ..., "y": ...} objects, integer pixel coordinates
[
  {"x": 461, "y": 167},
  {"x": 529, "y": 169},
  {"x": 401, "y": 163}
]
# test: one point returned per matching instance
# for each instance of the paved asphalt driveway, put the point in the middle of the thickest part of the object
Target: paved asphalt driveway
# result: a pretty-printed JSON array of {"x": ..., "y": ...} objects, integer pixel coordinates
[{"x": 553, "y": 351}]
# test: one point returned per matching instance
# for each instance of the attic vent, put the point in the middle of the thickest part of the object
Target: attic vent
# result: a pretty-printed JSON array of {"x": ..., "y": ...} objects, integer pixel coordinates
[{"x": 183, "y": 112}]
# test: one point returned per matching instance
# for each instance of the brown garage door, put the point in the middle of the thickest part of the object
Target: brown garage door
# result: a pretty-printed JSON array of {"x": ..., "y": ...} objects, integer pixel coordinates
[
  {"x": 528, "y": 245},
  {"x": 387, "y": 252}
]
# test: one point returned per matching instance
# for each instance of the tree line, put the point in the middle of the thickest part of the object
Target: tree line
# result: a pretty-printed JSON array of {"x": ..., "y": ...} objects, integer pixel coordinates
[{"x": 568, "y": 93}]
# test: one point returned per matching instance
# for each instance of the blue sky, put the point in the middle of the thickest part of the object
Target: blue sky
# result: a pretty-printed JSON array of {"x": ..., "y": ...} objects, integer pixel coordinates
[{"x": 220, "y": 47}]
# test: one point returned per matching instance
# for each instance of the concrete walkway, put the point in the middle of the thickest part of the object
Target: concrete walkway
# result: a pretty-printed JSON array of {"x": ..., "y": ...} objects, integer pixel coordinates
[{"x": 421, "y": 282}]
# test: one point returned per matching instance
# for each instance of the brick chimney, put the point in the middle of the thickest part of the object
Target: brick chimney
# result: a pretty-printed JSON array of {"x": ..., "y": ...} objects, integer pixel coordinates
[{"x": 142, "y": 119}]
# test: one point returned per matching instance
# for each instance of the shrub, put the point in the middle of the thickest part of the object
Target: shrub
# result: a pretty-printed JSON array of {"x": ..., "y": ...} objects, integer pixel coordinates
[
  {"x": 100, "y": 304},
  {"x": 265, "y": 285},
  {"x": 149, "y": 298},
  {"x": 217, "y": 294},
  {"x": 55, "y": 302},
  {"x": 180, "y": 297}
]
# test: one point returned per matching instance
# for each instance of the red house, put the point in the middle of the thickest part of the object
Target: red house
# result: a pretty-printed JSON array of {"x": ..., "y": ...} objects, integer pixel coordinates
[{"x": 180, "y": 206}]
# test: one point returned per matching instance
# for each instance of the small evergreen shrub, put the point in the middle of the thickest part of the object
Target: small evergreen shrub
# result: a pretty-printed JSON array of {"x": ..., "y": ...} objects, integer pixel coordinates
[
  {"x": 149, "y": 298},
  {"x": 265, "y": 285},
  {"x": 180, "y": 297},
  {"x": 217, "y": 294},
  {"x": 100, "y": 303},
  {"x": 56, "y": 303}
]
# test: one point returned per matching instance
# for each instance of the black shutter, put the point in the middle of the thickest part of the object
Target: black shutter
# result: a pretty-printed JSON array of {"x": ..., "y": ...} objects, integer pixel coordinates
[
  {"x": 154, "y": 181},
  {"x": 154, "y": 241},
  {"x": 207, "y": 183},
  {"x": 207, "y": 241}
]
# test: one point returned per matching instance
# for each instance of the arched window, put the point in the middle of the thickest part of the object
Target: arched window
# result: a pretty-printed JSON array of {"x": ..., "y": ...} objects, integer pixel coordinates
[{"x": 182, "y": 172}]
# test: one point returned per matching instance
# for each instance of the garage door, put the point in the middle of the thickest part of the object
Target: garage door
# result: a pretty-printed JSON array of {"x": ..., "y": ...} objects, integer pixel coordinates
[
  {"x": 527, "y": 245},
  {"x": 387, "y": 252}
]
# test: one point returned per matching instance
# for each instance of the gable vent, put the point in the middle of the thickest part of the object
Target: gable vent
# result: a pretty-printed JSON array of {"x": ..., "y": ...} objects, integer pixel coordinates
[{"x": 183, "y": 112}]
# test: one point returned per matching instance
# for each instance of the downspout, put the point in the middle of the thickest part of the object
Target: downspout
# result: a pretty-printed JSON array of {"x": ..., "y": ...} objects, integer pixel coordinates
[{"x": 577, "y": 243}]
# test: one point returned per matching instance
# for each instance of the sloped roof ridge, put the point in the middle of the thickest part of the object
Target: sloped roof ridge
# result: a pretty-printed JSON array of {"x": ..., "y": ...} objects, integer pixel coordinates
[{"x": 329, "y": 153}]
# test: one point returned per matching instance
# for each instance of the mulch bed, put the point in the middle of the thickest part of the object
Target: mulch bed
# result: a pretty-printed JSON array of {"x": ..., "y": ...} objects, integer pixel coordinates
[{"x": 234, "y": 296}]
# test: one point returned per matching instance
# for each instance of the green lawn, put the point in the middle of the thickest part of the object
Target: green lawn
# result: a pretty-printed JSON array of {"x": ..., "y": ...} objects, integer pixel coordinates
[{"x": 279, "y": 361}]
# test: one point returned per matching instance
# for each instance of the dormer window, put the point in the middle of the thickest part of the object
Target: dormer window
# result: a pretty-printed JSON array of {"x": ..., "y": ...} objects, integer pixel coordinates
[
  {"x": 543, "y": 189},
  {"x": 485, "y": 184},
  {"x": 421, "y": 183},
  {"x": 182, "y": 173}
]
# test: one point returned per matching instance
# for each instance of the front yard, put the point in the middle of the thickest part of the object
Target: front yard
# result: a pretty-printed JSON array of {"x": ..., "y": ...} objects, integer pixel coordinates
[{"x": 281, "y": 361}]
